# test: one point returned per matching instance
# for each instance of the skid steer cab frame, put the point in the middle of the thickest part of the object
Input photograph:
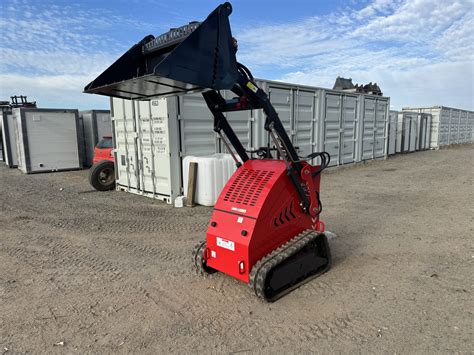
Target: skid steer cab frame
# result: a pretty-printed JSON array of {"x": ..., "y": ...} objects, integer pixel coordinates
[{"x": 265, "y": 229}]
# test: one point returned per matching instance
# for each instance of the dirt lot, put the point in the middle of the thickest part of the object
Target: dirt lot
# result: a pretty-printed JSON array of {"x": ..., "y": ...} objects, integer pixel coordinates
[{"x": 90, "y": 272}]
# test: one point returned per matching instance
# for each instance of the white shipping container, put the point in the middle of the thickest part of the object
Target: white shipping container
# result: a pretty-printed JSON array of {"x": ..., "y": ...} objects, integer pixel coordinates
[
  {"x": 448, "y": 125},
  {"x": 153, "y": 137},
  {"x": 147, "y": 152},
  {"x": 48, "y": 139},
  {"x": 423, "y": 130},
  {"x": 95, "y": 125},
  {"x": 9, "y": 144},
  {"x": 351, "y": 127}
]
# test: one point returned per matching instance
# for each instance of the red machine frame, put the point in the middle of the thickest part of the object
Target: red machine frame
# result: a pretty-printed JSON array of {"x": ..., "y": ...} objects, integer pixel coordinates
[
  {"x": 265, "y": 229},
  {"x": 255, "y": 213}
]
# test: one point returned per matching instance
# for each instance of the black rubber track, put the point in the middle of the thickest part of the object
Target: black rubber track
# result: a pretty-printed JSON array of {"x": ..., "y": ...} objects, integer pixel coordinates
[{"x": 265, "y": 267}]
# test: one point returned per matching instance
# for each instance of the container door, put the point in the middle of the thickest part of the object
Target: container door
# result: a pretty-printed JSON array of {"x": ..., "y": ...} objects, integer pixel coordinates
[
  {"x": 126, "y": 142},
  {"x": 89, "y": 139},
  {"x": 305, "y": 118},
  {"x": 406, "y": 133},
  {"x": 242, "y": 124},
  {"x": 14, "y": 155},
  {"x": 196, "y": 127},
  {"x": 419, "y": 131},
  {"x": 368, "y": 128},
  {"x": 349, "y": 121},
  {"x": 52, "y": 140},
  {"x": 400, "y": 133},
  {"x": 104, "y": 125},
  {"x": 332, "y": 126},
  {"x": 157, "y": 167},
  {"x": 426, "y": 137},
  {"x": 434, "y": 133},
  {"x": 145, "y": 147},
  {"x": 428, "y": 131},
  {"x": 413, "y": 133},
  {"x": 379, "y": 131},
  {"x": 18, "y": 135},
  {"x": 392, "y": 136},
  {"x": 282, "y": 100}
]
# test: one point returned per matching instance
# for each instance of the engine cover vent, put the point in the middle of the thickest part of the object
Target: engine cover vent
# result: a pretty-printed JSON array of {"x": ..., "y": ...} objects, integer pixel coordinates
[{"x": 247, "y": 186}]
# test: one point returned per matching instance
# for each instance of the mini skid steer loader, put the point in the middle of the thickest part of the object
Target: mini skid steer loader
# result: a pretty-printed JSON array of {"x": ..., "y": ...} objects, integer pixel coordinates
[{"x": 265, "y": 228}]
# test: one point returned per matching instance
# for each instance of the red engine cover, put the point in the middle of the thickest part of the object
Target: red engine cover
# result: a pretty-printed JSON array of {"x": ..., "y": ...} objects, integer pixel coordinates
[{"x": 257, "y": 211}]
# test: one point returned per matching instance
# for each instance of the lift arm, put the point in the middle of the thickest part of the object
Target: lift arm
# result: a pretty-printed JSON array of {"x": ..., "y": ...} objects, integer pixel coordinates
[
  {"x": 200, "y": 57},
  {"x": 252, "y": 97}
]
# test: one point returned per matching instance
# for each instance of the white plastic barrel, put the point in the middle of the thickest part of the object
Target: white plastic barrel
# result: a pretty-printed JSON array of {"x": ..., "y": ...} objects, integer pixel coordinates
[{"x": 213, "y": 171}]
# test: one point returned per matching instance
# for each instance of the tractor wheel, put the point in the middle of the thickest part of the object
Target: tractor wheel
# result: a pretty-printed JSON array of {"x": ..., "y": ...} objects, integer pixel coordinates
[{"x": 102, "y": 176}]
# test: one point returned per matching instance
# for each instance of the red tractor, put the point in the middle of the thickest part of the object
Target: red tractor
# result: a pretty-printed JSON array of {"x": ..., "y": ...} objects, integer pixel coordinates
[
  {"x": 265, "y": 229},
  {"x": 102, "y": 172}
]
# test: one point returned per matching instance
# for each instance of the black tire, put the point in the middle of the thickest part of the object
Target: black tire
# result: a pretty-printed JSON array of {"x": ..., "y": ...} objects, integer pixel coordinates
[{"x": 102, "y": 176}]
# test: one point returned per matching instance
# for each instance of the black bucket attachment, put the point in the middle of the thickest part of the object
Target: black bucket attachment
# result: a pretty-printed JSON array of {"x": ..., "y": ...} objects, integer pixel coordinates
[{"x": 187, "y": 59}]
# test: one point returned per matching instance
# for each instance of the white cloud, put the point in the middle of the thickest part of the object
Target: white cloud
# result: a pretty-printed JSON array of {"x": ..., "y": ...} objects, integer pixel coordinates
[
  {"x": 51, "y": 52},
  {"x": 52, "y": 91},
  {"x": 421, "y": 52}
]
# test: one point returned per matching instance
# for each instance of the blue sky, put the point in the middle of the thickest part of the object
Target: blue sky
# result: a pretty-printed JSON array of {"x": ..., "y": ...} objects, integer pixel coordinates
[{"x": 421, "y": 52}]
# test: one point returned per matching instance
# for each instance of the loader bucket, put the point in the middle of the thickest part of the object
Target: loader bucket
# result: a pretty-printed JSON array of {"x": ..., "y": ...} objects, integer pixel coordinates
[{"x": 187, "y": 59}]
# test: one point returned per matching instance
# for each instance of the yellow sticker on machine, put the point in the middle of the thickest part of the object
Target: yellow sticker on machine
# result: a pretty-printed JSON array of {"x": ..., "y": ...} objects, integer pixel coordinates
[{"x": 251, "y": 86}]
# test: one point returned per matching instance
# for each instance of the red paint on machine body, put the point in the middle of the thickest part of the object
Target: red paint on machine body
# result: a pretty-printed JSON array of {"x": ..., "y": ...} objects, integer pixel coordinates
[{"x": 256, "y": 212}]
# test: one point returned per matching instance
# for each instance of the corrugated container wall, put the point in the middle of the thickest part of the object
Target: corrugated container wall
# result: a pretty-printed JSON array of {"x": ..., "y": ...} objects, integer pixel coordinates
[
  {"x": 1, "y": 140},
  {"x": 392, "y": 132},
  {"x": 95, "y": 125},
  {"x": 316, "y": 119},
  {"x": 350, "y": 127},
  {"x": 374, "y": 125},
  {"x": 9, "y": 139},
  {"x": 448, "y": 125},
  {"x": 423, "y": 131},
  {"x": 48, "y": 139},
  {"x": 407, "y": 132},
  {"x": 146, "y": 143}
]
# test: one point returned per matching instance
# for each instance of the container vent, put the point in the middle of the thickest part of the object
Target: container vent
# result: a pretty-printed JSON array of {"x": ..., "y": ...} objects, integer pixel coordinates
[{"x": 248, "y": 186}]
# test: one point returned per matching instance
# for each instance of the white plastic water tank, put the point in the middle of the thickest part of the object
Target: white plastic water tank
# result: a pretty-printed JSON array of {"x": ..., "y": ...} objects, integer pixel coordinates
[{"x": 212, "y": 174}]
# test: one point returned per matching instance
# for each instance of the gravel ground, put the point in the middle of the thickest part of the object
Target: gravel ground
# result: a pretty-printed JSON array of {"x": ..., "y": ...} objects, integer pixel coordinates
[{"x": 104, "y": 272}]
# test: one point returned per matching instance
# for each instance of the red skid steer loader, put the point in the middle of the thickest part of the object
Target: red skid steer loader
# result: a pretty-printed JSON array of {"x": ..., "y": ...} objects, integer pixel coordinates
[{"x": 265, "y": 229}]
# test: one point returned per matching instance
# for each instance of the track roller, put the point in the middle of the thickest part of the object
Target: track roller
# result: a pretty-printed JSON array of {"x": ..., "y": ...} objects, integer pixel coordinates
[{"x": 296, "y": 262}]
